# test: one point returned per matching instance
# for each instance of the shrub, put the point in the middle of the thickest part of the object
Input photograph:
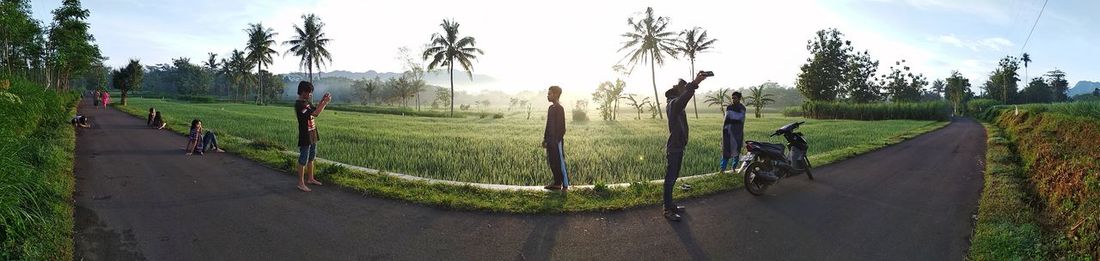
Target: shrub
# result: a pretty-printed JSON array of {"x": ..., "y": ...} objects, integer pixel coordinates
[
  {"x": 196, "y": 98},
  {"x": 978, "y": 106},
  {"x": 936, "y": 111},
  {"x": 793, "y": 111},
  {"x": 580, "y": 116}
]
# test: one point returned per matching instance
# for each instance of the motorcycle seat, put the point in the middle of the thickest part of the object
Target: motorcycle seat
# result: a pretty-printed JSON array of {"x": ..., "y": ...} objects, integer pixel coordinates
[{"x": 772, "y": 148}]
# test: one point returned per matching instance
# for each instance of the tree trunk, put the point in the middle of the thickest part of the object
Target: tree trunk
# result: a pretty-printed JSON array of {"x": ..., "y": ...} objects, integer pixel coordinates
[
  {"x": 653, "y": 77},
  {"x": 451, "y": 71},
  {"x": 310, "y": 74},
  {"x": 260, "y": 82},
  {"x": 124, "y": 91},
  {"x": 695, "y": 102}
]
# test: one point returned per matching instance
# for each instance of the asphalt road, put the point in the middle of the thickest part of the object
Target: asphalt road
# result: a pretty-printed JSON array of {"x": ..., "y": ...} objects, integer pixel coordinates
[{"x": 139, "y": 197}]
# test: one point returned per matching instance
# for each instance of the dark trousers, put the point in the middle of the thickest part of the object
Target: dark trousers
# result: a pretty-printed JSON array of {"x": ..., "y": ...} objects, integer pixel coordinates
[
  {"x": 208, "y": 140},
  {"x": 672, "y": 172},
  {"x": 555, "y": 159}
]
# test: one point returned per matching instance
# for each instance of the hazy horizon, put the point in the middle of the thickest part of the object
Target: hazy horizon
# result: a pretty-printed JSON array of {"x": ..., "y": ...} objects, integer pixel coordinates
[{"x": 574, "y": 44}]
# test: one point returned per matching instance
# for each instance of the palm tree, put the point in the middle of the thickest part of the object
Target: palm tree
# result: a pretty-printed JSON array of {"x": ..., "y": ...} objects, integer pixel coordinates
[
  {"x": 444, "y": 49},
  {"x": 758, "y": 99},
  {"x": 212, "y": 66},
  {"x": 1026, "y": 59},
  {"x": 260, "y": 40},
  {"x": 237, "y": 69},
  {"x": 718, "y": 98},
  {"x": 695, "y": 41},
  {"x": 616, "y": 91},
  {"x": 309, "y": 43},
  {"x": 650, "y": 40},
  {"x": 638, "y": 105}
]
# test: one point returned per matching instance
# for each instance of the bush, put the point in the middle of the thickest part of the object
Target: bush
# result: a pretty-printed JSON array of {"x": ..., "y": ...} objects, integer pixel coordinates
[
  {"x": 793, "y": 111},
  {"x": 197, "y": 98},
  {"x": 36, "y": 183},
  {"x": 978, "y": 106},
  {"x": 580, "y": 116},
  {"x": 934, "y": 111}
]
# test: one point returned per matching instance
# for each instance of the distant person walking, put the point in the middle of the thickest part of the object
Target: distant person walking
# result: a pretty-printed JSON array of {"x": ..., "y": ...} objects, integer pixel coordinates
[
  {"x": 678, "y": 98},
  {"x": 307, "y": 132},
  {"x": 553, "y": 140},
  {"x": 733, "y": 132},
  {"x": 105, "y": 98},
  {"x": 95, "y": 98},
  {"x": 198, "y": 143}
]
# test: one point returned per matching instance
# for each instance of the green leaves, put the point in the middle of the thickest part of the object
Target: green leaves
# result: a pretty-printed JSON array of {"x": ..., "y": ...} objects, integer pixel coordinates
[
  {"x": 444, "y": 49},
  {"x": 309, "y": 43}
]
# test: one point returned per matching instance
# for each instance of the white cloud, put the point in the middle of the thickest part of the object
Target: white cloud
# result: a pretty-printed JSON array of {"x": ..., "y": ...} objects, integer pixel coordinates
[{"x": 994, "y": 44}]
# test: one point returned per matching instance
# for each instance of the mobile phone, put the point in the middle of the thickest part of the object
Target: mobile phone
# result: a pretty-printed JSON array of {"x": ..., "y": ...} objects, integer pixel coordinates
[{"x": 707, "y": 73}]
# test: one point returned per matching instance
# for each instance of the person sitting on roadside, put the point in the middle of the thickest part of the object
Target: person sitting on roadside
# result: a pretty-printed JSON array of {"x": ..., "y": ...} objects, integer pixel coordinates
[
  {"x": 149, "y": 119},
  {"x": 197, "y": 143},
  {"x": 80, "y": 121},
  {"x": 158, "y": 122}
]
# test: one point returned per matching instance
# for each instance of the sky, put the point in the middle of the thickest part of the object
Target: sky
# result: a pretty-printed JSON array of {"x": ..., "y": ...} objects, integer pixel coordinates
[{"x": 530, "y": 45}]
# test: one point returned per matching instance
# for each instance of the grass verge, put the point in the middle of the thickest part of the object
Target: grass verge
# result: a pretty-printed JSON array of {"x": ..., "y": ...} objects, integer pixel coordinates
[
  {"x": 1059, "y": 153},
  {"x": 1006, "y": 228},
  {"x": 36, "y": 182},
  {"x": 470, "y": 198}
]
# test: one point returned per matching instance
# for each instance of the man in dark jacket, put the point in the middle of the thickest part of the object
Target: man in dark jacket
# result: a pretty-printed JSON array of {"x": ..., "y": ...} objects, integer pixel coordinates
[
  {"x": 552, "y": 140},
  {"x": 733, "y": 131},
  {"x": 678, "y": 98}
]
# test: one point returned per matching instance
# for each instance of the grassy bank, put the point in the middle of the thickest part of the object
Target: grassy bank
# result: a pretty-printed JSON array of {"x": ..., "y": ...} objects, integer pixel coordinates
[
  {"x": 469, "y": 198},
  {"x": 1007, "y": 227},
  {"x": 1060, "y": 153},
  {"x": 36, "y": 183}
]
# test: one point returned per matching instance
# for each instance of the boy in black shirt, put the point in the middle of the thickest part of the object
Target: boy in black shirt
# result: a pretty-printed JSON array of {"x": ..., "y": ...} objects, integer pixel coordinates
[
  {"x": 552, "y": 140},
  {"x": 678, "y": 98},
  {"x": 307, "y": 132}
]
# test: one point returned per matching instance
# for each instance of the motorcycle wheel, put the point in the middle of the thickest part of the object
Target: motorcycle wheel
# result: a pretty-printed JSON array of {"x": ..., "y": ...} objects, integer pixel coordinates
[
  {"x": 808, "y": 167},
  {"x": 755, "y": 188}
]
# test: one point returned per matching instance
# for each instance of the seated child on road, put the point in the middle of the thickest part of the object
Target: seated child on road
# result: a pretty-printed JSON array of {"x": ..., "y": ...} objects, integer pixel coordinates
[
  {"x": 199, "y": 144},
  {"x": 149, "y": 119},
  {"x": 158, "y": 122},
  {"x": 80, "y": 121}
]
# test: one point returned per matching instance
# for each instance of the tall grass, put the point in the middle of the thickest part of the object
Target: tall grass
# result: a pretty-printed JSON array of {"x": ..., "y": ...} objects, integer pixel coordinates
[
  {"x": 508, "y": 150},
  {"x": 36, "y": 146},
  {"x": 929, "y": 111}
]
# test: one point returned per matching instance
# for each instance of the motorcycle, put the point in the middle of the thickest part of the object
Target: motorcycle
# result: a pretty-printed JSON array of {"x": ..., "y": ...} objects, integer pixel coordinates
[{"x": 771, "y": 158}]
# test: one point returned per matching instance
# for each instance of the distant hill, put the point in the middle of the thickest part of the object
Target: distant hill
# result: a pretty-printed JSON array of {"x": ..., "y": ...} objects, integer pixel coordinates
[
  {"x": 436, "y": 78},
  {"x": 1083, "y": 87}
]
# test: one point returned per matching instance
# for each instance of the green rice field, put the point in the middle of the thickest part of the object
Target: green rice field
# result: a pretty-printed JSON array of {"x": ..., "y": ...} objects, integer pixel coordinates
[{"x": 507, "y": 150}]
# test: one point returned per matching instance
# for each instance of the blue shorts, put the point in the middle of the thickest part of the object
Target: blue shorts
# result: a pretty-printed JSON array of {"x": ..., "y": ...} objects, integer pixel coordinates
[{"x": 307, "y": 154}]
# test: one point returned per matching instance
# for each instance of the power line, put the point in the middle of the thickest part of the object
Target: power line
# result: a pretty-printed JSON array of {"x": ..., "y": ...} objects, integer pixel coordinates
[{"x": 1033, "y": 25}]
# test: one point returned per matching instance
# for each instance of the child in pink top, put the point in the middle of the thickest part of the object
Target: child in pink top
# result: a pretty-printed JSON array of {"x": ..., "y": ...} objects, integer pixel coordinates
[{"x": 106, "y": 98}]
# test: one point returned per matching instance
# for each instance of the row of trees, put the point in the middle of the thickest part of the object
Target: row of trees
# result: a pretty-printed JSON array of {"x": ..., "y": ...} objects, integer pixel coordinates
[
  {"x": 836, "y": 72},
  {"x": 54, "y": 54}
]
